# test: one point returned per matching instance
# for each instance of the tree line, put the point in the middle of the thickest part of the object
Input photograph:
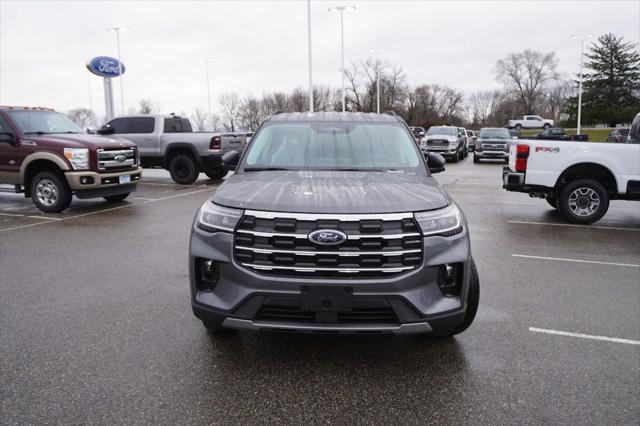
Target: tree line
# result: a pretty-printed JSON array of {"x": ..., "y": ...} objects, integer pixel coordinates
[{"x": 530, "y": 84}]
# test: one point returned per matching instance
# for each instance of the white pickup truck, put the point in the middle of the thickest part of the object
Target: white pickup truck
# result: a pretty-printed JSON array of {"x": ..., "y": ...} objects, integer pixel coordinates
[
  {"x": 577, "y": 178},
  {"x": 530, "y": 122},
  {"x": 170, "y": 142}
]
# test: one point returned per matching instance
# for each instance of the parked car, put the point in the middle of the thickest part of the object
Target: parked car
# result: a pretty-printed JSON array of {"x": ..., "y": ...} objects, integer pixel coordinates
[
  {"x": 530, "y": 122},
  {"x": 492, "y": 143},
  {"x": 463, "y": 133},
  {"x": 418, "y": 132},
  {"x": 618, "y": 135},
  {"x": 579, "y": 178},
  {"x": 447, "y": 141},
  {"x": 170, "y": 142},
  {"x": 296, "y": 240},
  {"x": 634, "y": 131},
  {"x": 556, "y": 133},
  {"x": 49, "y": 158},
  {"x": 471, "y": 139}
]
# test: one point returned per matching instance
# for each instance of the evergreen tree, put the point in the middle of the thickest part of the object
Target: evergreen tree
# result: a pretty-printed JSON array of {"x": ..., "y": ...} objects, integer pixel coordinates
[{"x": 611, "y": 83}]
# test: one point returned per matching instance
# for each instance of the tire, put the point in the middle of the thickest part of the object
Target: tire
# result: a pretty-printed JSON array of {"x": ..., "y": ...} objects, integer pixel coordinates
[
  {"x": 461, "y": 155},
  {"x": 473, "y": 300},
  {"x": 506, "y": 161},
  {"x": 50, "y": 192},
  {"x": 216, "y": 174},
  {"x": 455, "y": 158},
  {"x": 465, "y": 153},
  {"x": 583, "y": 201},
  {"x": 116, "y": 198},
  {"x": 476, "y": 160},
  {"x": 518, "y": 127},
  {"x": 552, "y": 200},
  {"x": 183, "y": 169},
  {"x": 546, "y": 126}
]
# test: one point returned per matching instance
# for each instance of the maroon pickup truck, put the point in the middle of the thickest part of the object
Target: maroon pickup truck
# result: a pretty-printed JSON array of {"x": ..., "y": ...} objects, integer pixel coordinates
[{"x": 49, "y": 158}]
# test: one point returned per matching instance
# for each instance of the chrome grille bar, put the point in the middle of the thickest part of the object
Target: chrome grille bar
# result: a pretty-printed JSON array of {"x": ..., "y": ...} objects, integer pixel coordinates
[
  {"x": 350, "y": 236},
  {"x": 338, "y": 253}
]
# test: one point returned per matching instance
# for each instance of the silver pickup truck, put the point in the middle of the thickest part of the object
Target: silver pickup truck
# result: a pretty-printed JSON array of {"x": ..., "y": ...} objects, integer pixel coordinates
[{"x": 171, "y": 143}]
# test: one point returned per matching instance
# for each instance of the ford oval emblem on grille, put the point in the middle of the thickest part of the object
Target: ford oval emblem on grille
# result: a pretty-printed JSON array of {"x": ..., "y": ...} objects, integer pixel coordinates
[
  {"x": 120, "y": 158},
  {"x": 327, "y": 237}
]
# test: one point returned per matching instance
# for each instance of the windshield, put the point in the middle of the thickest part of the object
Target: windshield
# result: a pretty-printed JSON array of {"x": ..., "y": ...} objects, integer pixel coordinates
[
  {"x": 441, "y": 130},
  {"x": 333, "y": 146},
  {"x": 495, "y": 133},
  {"x": 43, "y": 122}
]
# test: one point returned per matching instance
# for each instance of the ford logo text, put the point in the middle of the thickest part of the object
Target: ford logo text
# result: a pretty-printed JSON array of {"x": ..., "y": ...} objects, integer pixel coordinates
[
  {"x": 105, "y": 66},
  {"x": 327, "y": 237}
]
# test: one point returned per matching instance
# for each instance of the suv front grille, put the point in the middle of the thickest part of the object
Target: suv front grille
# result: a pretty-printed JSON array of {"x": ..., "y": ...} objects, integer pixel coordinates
[
  {"x": 377, "y": 315},
  {"x": 116, "y": 158},
  {"x": 376, "y": 245}
]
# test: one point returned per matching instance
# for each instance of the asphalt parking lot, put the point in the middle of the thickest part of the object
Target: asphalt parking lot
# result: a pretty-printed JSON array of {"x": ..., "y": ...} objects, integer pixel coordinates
[{"x": 96, "y": 326}]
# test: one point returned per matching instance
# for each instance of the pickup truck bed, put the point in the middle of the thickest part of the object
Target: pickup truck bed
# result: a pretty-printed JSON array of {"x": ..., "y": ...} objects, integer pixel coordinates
[{"x": 577, "y": 178}]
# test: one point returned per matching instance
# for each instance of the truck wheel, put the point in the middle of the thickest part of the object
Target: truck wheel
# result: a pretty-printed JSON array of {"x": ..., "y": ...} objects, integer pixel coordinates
[
  {"x": 547, "y": 126},
  {"x": 114, "y": 198},
  {"x": 518, "y": 127},
  {"x": 552, "y": 200},
  {"x": 461, "y": 155},
  {"x": 216, "y": 174},
  {"x": 183, "y": 169},
  {"x": 50, "y": 192},
  {"x": 476, "y": 160},
  {"x": 473, "y": 300},
  {"x": 583, "y": 201}
]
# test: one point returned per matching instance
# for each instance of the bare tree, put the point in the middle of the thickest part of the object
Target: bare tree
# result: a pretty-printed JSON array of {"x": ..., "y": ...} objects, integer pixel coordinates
[
  {"x": 199, "y": 119},
  {"x": 251, "y": 112},
  {"x": 145, "y": 106},
  {"x": 525, "y": 75},
  {"x": 555, "y": 99},
  {"x": 83, "y": 117},
  {"x": 299, "y": 100},
  {"x": 230, "y": 103},
  {"x": 484, "y": 105}
]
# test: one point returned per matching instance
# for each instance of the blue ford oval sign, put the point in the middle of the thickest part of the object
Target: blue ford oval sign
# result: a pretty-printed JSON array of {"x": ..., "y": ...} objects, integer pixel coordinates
[
  {"x": 327, "y": 237},
  {"x": 105, "y": 66}
]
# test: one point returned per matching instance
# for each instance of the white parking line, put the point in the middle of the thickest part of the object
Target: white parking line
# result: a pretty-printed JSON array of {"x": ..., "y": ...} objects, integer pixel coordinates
[
  {"x": 31, "y": 216},
  {"x": 573, "y": 225},
  {"x": 585, "y": 336},
  {"x": 562, "y": 259},
  {"x": 110, "y": 209}
]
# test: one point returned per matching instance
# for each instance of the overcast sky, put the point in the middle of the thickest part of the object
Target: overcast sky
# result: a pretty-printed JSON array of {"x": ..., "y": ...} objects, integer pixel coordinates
[{"x": 262, "y": 45}]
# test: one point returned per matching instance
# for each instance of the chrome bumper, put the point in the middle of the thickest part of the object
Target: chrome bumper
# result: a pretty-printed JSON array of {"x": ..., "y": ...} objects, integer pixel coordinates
[{"x": 409, "y": 328}]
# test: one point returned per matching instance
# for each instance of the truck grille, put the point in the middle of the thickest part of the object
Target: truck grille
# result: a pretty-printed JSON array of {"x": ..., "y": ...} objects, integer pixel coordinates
[
  {"x": 376, "y": 245},
  {"x": 378, "y": 315},
  {"x": 437, "y": 142},
  {"x": 117, "y": 158}
]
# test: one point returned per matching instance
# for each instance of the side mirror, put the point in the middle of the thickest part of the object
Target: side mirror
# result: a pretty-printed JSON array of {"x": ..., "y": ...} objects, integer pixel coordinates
[
  {"x": 230, "y": 159},
  {"x": 435, "y": 162},
  {"x": 91, "y": 130},
  {"x": 106, "y": 130},
  {"x": 8, "y": 137}
]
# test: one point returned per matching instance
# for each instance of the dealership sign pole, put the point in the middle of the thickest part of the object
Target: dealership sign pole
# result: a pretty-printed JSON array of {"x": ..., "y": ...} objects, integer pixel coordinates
[{"x": 107, "y": 68}]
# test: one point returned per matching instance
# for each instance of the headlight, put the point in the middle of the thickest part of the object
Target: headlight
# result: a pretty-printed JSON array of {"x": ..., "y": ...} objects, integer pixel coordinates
[
  {"x": 78, "y": 157},
  {"x": 213, "y": 217},
  {"x": 444, "y": 222}
]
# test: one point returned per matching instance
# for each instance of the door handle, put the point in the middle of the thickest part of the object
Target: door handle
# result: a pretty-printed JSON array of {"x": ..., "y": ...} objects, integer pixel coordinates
[{"x": 148, "y": 139}]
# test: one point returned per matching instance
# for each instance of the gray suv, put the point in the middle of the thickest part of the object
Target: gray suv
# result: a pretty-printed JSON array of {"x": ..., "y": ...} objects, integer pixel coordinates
[{"x": 332, "y": 222}]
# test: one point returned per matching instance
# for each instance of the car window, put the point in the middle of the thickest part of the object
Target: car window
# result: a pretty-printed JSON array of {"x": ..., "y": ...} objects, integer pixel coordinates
[
  {"x": 530, "y": 118},
  {"x": 4, "y": 126},
  {"x": 177, "y": 125},
  {"x": 119, "y": 125},
  {"x": 141, "y": 125}
]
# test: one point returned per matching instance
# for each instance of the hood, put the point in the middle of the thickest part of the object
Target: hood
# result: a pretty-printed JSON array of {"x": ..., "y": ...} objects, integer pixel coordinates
[
  {"x": 331, "y": 192},
  {"x": 493, "y": 140},
  {"x": 450, "y": 138},
  {"x": 82, "y": 141}
]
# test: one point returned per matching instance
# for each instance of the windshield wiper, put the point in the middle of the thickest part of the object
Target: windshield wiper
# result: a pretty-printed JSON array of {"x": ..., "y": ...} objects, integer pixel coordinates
[
  {"x": 69, "y": 132},
  {"x": 263, "y": 169},
  {"x": 38, "y": 133}
]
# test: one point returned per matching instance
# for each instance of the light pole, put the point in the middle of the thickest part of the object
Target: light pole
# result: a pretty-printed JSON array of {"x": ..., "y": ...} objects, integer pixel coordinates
[
  {"x": 378, "y": 51},
  {"x": 310, "y": 68},
  {"x": 206, "y": 62},
  {"x": 341, "y": 9},
  {"x": 582, "y": 39},
  {"x": 117, "y": 31}
]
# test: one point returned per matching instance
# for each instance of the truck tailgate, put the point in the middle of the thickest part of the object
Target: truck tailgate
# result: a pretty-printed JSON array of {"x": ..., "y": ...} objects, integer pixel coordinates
[{"x": 235, "y": 141}]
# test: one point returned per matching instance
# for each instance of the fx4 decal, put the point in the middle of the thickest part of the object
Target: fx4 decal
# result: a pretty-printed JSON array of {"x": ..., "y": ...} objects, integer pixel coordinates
[{"x": 547, "y": 149}]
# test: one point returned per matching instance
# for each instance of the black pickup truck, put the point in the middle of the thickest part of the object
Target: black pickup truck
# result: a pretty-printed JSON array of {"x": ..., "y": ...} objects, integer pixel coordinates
[{"x": 559, "y": 134}]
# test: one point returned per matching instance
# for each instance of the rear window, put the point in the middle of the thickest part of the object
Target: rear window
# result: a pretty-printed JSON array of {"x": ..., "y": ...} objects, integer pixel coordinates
[
  {"x": 177, "y": 125},
  {"x": 141, "y": 125},
  {"x": 334, "y": 146}
]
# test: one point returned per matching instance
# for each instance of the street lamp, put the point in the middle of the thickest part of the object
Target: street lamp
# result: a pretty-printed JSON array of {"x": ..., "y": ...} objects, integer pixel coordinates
[
  {"x": 582, "y": 39},
  {"x": 378, "y": 52},
  {"x": 206, "y": 62},
  {"x": 341, "y": 9},
  {"x": 117, "y": 31},
  {"x": 310, "y": 68}
]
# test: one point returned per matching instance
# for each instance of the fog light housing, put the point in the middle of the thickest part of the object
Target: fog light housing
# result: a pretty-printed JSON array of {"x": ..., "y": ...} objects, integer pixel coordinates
[
  {"x": 208, "y": 274},
  {"x": 450, "y": 279},
  {"x": 86, "y": 180}
]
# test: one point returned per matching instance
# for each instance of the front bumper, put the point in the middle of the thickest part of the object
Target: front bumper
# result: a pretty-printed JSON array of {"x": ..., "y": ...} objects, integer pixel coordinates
[
  {"x": 415, "y": 297},
  {"x": 89, "y": 180},
  {"x": 502, "y": 155}
]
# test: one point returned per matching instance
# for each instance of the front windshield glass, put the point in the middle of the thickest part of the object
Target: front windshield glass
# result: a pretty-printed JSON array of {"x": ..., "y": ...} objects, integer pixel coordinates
[
  {"x": 441, "y": 130},
  {"x": 495, "y": 133},
  {"x": 43, "y": 122},
  {"x": 333, "y": 146}
]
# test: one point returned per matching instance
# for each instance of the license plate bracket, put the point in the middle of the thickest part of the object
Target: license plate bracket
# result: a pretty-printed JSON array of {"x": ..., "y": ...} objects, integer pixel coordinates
[
  {"x": 124, "y": 179},
  {"x": 326, "y": 298}
]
